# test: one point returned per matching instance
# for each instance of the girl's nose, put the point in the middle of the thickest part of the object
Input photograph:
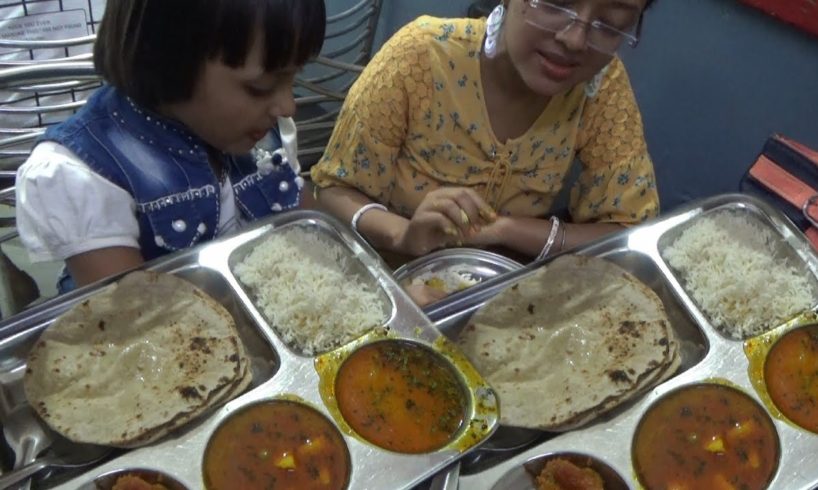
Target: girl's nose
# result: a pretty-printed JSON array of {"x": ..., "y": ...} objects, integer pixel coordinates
[{"x": 283, "y": 103}]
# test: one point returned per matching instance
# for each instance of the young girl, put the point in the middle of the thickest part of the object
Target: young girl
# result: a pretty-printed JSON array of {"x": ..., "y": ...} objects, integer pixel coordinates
[{"x": 159, "y": 159}]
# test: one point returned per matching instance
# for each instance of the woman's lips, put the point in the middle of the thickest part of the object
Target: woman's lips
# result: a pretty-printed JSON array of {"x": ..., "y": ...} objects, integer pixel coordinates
[{"x": 554, "y": 67}]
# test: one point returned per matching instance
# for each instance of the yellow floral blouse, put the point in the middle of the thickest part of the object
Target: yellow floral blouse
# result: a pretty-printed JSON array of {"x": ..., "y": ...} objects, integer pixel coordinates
[{"x": 415, "y": 120}]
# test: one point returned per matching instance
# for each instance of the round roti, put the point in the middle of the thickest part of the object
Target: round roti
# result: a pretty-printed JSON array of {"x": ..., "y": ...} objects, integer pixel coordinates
[
  {"x": 570, "y": 341},
  {"x": 135, "y": 361}
]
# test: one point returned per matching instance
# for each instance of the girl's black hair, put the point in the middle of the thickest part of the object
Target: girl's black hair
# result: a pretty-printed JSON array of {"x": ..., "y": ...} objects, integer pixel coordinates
[{"x": 155, "y": 50}]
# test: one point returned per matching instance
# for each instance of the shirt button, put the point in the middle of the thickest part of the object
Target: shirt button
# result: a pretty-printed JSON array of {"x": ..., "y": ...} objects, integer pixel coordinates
[
  {"x": 179, "y": 225},
  {"x": 284, "y": 186}
]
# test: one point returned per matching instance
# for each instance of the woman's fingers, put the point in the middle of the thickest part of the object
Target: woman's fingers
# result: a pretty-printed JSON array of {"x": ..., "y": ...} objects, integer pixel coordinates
[
  {"x": 455, "y": 214},
  {"x": 482, "y": 209},
  {"x": 424, "y": 295},
  {"x": 470, "y": 211}
]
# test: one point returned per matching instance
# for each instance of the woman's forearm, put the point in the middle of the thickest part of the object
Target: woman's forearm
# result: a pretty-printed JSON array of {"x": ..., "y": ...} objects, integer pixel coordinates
[
  {"x": 382, "y": 229},
  {"x": 528, "y": 235}
]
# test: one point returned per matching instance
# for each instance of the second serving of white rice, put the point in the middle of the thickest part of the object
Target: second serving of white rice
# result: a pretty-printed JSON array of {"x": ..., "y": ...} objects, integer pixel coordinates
[
  {"x": 303, "y": 284},
  {"x": 448, "y": 281},
  {"x": 730, "y": 268}
]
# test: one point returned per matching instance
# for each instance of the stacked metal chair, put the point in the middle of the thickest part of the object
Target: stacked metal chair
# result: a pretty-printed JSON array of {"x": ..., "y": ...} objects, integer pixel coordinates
[{"x": 325, "y": 83}]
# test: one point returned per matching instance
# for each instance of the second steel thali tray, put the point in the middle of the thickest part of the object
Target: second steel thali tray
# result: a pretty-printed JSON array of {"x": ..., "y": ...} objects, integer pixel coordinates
[{"x": 708, "y": 356}]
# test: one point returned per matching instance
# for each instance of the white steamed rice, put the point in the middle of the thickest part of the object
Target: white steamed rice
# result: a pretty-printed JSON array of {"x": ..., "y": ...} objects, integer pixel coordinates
[
  {"x": 303, "y": 284},
  {"x": 448, "y": 280},
  {"x": 730, "y": 268}
]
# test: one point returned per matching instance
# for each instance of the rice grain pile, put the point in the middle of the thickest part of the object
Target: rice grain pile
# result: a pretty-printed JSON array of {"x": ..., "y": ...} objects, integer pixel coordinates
[
  {"x": 731, "y": 270},
  {"x": 304, "y": 286}
]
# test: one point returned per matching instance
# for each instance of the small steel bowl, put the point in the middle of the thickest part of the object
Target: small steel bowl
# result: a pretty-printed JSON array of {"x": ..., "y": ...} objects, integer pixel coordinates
[
  {"x": 523, "y": 477},
  {"x": 108, "y": 480},
  {"x": 473, "y": 264}
]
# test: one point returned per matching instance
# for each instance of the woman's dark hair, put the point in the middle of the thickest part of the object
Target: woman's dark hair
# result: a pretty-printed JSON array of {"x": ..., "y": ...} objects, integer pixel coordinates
[{"x": 155, "y": 50}]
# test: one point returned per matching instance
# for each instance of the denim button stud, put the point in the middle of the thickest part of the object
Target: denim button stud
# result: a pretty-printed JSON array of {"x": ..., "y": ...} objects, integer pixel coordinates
[{"x": 179, "y": 225}]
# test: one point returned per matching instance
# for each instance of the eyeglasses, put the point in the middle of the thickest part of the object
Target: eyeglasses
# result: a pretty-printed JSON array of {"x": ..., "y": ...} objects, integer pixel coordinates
[{"x": 599, "y": 36}]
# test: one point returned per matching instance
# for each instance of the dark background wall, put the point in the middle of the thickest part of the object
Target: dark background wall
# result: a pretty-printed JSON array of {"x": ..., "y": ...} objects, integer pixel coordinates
[{"x": 713, "y": 79}]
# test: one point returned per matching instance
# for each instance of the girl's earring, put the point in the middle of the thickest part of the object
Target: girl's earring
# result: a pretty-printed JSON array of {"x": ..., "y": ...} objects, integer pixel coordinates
[{"x": 495, "y": 22}]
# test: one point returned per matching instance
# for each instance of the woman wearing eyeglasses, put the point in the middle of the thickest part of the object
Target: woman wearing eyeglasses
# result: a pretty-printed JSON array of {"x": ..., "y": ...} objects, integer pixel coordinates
[{"x": 461, "y": 132}]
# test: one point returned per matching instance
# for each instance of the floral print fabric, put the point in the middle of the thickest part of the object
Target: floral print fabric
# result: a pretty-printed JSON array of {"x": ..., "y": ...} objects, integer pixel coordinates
[{"x": 415, "y": 120}]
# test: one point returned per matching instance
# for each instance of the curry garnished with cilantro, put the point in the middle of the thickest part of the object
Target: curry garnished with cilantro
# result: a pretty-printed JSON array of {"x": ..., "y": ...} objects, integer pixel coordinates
[
  {"x": 400, "y": 396},
  {"x": 791, "y": 374}
]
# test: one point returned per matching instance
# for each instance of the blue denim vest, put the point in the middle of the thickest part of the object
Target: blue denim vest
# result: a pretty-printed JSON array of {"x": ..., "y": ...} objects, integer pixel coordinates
[{"x": 165, "y": 168}]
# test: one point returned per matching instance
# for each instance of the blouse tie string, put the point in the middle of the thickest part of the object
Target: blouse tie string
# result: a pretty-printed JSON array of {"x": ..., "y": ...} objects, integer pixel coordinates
[{"x": 499, "y": 179}]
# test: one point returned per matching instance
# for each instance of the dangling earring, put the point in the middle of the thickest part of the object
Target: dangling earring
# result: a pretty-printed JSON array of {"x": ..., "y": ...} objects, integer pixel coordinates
[
  {"x": 594, "y": 84},
  {"x": 494, "y": 23}
]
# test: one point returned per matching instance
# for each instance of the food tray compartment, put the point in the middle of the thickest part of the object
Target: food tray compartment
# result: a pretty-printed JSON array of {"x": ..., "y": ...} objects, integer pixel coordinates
[
  {"x": 264, "y": 361},
  {"x": 263, "y": 358},
  {"x": 693, "y": 344},
  {"x": 787, "y": 247},
  {"x": 353, "y": 267}
]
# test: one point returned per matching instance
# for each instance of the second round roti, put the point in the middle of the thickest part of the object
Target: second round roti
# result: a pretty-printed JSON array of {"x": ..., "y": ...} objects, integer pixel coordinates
[{"x": 569, "y": 342}]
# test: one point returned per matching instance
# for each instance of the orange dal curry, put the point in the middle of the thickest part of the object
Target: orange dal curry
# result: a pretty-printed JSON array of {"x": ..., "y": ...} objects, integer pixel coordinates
[
  {"x": 400, "y": 396},
  {"x": 706, "y": 436},
  {"x": 278, "y": 444},
  {"x": 791, "y": 375}
]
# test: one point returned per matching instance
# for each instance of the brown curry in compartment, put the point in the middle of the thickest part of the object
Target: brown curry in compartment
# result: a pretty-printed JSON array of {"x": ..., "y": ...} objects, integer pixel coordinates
[
  {"x": 706, "y": 436},
  {"x": 276, "y": 444},
  {"x": 791, "y": 376},
  {"x": 400, "y": 396}
]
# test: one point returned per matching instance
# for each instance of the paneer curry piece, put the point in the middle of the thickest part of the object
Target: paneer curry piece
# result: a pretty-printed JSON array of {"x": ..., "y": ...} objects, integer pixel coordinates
[
  {"x": 276, "y": 444},
  {"x": 706, "y": 436}
]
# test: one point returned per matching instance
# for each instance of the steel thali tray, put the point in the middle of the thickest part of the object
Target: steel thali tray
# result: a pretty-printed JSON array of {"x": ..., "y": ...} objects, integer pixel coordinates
[
  {"x": 278, "y": 371},
  {"x": 707, "y": 355}
]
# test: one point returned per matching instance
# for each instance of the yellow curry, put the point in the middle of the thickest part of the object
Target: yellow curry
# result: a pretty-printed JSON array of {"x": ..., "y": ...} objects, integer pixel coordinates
[
  {"x": 791, "y": 374},
  {"x": 400, "y": 396}
]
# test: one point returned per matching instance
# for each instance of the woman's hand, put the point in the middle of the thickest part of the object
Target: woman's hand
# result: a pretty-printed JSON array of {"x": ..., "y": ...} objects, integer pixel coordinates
[
  {"x": 423, "y": 295},
  {"x": 446, "y": 216}
]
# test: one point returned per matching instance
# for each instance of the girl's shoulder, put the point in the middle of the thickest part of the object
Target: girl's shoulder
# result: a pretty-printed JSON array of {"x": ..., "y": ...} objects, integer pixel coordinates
[{"x": 428, "y": 30}]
